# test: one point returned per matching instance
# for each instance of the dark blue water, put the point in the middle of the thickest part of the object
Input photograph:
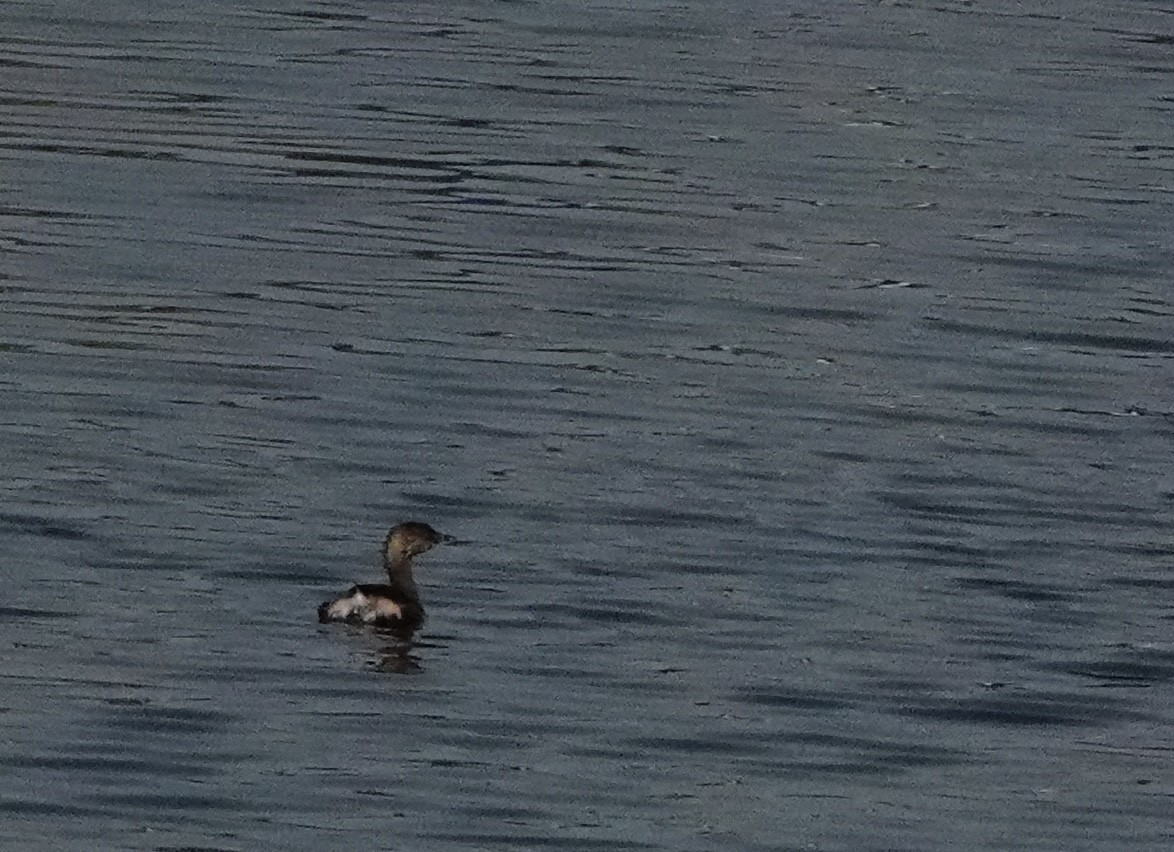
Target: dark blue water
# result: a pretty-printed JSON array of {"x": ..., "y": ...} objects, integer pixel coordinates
[{"x": 797, "y": 378}]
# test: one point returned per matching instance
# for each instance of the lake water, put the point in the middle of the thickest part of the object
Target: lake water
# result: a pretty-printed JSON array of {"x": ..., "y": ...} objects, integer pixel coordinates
[{"x": 796, "y": 377}]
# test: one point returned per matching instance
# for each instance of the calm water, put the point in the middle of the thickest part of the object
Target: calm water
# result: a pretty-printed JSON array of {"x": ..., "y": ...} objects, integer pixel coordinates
[{"x": 796, "y": 376}]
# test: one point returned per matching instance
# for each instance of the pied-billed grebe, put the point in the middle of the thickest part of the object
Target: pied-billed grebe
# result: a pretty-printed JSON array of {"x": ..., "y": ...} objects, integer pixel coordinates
[{"x": 394, "y": 605}]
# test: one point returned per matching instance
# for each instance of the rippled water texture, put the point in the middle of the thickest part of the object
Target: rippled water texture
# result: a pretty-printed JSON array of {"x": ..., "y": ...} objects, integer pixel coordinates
[{"x": 796, "y": 377}]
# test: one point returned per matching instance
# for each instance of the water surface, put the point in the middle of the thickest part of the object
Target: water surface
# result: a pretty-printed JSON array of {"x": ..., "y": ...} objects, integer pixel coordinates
[{"x": 796, "y": 378}]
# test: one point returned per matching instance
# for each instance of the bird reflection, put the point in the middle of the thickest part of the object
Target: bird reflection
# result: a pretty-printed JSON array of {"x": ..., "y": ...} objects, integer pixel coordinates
[{"x": 396, "y": 656}]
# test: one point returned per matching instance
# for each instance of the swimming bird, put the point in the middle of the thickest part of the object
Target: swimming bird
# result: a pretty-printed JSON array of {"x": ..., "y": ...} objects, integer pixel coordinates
[{"x": 394, "y": 605}]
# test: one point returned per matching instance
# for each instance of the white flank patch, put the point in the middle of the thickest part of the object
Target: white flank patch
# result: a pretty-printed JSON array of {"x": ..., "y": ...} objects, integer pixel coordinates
[
  {"x": 362, "y": 607},
  {"x": 343, "y": 608},
  {"x": 384, "y": 608}
]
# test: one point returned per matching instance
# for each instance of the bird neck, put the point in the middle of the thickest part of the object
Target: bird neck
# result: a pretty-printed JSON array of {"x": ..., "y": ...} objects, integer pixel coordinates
[{"x": 399, "y": 573}]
